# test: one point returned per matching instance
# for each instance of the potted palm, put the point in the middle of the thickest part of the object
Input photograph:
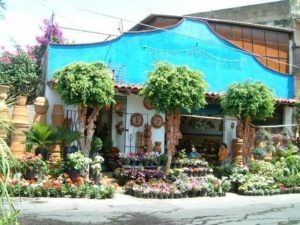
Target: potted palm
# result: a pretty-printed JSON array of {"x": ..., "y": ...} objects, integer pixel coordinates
[
  {"x": 66, "y": 138},
  {"x": 40, "y": 137}
]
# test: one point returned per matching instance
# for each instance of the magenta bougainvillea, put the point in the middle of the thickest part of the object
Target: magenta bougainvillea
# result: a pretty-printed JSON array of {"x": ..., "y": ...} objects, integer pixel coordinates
[{"x": 51, "y": 33}]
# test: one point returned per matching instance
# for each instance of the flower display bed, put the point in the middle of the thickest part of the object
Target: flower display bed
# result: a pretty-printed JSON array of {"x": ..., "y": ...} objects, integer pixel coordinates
[
  {"x": 60, "y": 187},
  {"x": 183, "y": 187},
  {"x": 188, "y": 178}
]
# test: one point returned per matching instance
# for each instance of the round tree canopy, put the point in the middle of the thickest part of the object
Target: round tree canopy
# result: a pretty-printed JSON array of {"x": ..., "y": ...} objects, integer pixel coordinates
[
  {"x": 85, "y": 83},
  {"x": 248, "y": 100},
  {"x": 171, "y": 88}
]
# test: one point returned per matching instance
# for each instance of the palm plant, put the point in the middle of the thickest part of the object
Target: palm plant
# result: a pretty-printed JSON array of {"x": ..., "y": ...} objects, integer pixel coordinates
[
  {"x": 66, "y": 137},
  {"x": 40, "y": 137}
]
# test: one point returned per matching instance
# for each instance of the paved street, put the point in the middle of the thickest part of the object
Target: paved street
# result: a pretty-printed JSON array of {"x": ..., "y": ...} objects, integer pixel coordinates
[{"x": 232, "y": 209}]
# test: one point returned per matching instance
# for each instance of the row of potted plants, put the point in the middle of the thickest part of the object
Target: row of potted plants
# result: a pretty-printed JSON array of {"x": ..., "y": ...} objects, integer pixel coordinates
[
  {"x": 190, "y": 163},
  {"x": 58, "y": 188},
  {"x": 142, "y": 175},
  {"x": 181, "y": 188},
  {"x": 142, "y": 159},
  {"x": 281, "y": 190}
]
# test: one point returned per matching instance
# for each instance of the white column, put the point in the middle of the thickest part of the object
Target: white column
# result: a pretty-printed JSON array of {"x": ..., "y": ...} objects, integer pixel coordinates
[
  {"x": 229, "y": 132},
  {"x": 288, "y": 116}
]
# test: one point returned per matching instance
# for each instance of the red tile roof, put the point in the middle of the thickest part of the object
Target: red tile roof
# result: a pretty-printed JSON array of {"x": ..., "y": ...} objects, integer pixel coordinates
[{"x": 135, "y": 88}]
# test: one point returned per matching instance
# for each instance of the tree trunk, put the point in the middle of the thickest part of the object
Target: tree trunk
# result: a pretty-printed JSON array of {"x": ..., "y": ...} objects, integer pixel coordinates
[
  {"x": 246, "y": 141},
  {"x": 173, "y": 135},
  {"x": 81, "y": 125},
  {"x": 90, "y": 130}
]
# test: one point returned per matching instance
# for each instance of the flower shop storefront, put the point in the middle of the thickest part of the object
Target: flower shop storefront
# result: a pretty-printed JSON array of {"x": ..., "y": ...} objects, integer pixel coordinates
[{"x": 133, "y": 125}]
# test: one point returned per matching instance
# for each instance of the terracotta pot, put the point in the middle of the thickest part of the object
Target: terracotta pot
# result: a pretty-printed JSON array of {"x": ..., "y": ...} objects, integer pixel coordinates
[
  {"x": 3, "y": 92},
  {"x": 17, "y": 149},
  {"x": 20, "y": 115},
  {"x": 119, "y": 106},
  {"x": 18, "y": 133},
  {"x": 58, "y": 115},
  {"x": 55, "y": 152},
  {"x": 157, "y": 147},
  {"x": 147, "y": 104},
  {"x": 40, "y": 118},
  {"x": 5, "y": 116},
  {"x": 148, "y": 143},
  {"x": 147, "y": 133},
  {"x": 41, "y": 105},
  {"x": 21, "y": 100}
]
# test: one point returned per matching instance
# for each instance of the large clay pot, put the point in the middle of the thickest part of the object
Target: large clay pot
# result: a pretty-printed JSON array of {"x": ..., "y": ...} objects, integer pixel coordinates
[
  {"x": 148, "y": 132},
  {"x": 3, "y": 92},
  {"x": 41, "y": 105},
  {"x": 17, "y": 149},
  {"x": 21, "y": 100},
  {"x": 157, "y": 147},
  {"x": 40, "y": 118},
  {"x": 55, "y": 152},
  {"x": 57, "y": 115},
  {"x": 237, "y": 147},
  {"x": 5, "y": 116},
  {"x": 20, "y": 115}
]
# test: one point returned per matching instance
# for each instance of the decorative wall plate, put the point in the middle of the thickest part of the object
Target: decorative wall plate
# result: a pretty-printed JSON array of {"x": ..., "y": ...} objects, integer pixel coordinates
[
  {"x": 136, "y": 120},
  {"x": 157, "y": 121},
  {"x": 147, "y": 104}
]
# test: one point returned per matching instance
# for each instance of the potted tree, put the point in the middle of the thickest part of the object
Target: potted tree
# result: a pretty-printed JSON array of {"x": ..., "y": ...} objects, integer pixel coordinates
[
  {"x": 248, "y": 101},
  {"x": 171, "y": 89},
  {"x": 93, "y": 87},
  {"x": 40, "y": 137}
]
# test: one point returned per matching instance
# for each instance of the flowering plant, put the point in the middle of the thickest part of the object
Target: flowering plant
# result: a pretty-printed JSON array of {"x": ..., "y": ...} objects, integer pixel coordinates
[{"x": 77, "y": 161}]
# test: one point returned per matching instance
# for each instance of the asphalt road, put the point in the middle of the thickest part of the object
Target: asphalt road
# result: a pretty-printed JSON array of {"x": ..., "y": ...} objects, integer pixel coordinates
[{"x": 232, "y": 209}]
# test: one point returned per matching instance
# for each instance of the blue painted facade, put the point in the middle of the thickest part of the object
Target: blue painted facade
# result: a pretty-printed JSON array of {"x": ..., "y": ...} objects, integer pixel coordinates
[{"x": 133, "y": 55}]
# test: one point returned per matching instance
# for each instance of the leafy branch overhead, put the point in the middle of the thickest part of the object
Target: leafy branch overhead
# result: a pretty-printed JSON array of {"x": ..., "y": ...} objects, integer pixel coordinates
[
  {"x": 87, "y": 84},
  {"x": 172, "y": 88},
  {"x": 248, "y": 100}
]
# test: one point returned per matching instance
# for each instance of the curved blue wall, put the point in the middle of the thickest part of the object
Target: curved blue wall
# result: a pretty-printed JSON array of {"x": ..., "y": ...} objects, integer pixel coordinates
[{"x": 134, "y": 54}]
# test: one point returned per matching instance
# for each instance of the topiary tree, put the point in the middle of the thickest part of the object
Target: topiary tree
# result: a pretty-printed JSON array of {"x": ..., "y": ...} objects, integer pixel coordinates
[
  {"x": 85, "y": 85},
  {"x": 171, "y": 89},
  {"x": 248, "y": 101}
]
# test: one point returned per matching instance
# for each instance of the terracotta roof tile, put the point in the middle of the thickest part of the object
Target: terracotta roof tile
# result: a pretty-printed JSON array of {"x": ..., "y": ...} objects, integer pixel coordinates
[{"x": 135, "y": 88}]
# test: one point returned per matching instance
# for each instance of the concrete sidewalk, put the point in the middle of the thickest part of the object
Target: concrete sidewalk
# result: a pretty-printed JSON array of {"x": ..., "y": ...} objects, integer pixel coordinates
[{"x": 123, "y": 209}]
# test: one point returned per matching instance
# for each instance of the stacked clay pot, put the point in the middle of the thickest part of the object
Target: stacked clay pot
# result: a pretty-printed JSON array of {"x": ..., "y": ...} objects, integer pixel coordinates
[
  {"x": 58, "y": 115},
  {"x": 147, "y": 137},
  {"x": 139, "y": 141},
  {"x": 3, "y": 110},
  {"x": 20, "y": 123},
  {"x": 57, "y": 121},
  {"x": 41, "y": 106},
  {"x": 237, "y": 147}
]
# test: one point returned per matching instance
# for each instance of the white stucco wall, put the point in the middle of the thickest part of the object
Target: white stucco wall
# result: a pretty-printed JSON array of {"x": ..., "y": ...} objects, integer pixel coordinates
[
  {"x": 229, "y": 133},
  {"x": 128, "y": 137},
  {"x": 288, "y": 116}
]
